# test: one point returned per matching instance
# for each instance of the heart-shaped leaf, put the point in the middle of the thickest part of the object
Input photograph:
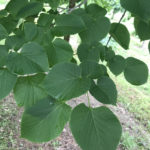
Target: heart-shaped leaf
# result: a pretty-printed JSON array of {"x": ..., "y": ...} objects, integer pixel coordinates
[
  {"x": 95, "y": 129},
  {"x": 65, "y": 81}
]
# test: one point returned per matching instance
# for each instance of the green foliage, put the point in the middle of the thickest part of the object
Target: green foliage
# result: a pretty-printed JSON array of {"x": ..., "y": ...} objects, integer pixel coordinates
[
  {"x": 104, "y": 91},
  {"x": 142, "y": 29},
  {"x": 136, "y": 72},
  {"x": 40, "y": 68},
  {"x": 121, "y": 34},
  {"x": 45, "y": 120},
  {"x": 92, "y": 124}
]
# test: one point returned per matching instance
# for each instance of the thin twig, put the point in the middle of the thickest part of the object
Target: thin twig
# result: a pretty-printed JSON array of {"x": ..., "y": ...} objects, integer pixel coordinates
[
  {"x": 116, "y": 27},
  {"x": 89, "y": 104},
  {"x": 77, "y": 6}
]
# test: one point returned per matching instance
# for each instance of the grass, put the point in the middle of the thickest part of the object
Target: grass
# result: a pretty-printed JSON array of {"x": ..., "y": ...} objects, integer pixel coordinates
[
  {"x": 128, "y": 142},
  {"x": 135, "y": 99}
]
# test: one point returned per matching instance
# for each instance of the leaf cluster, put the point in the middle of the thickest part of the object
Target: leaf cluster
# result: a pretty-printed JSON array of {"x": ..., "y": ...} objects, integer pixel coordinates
[{"x": 39, "y": 66}]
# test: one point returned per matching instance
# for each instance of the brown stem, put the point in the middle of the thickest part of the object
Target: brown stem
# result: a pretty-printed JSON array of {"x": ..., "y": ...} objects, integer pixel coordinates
[{"x": 72, "y": 4}]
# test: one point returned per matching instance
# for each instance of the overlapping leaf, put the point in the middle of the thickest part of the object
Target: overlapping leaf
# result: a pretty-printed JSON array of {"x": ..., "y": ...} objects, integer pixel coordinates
[
  {"x": 121, "y": 34},
  {"x": 3, "y": 55},
  {"x": 31, "y": 59},
  {"x": 138, "y": 7},
  {"x": 3, "y": 32},
  {"x": 117, "y": 64},
  {"x": 65, "y": 81},
  {"x": 92, "y": 69},
  {"x": 68, "y": 24},
  {"x": 28, "y": 90},
  {"x": 136, "y": 71},
  {"x": 44, "y": 121},
  {"x": 59, "y": 51},
  {"x": 142, "y": 29},
  {"x": 89, "y": 52},
  {"x": 7, "y": 82},
  {"x": 104, "y": 91},
  {"x": 95, "y": 129}
]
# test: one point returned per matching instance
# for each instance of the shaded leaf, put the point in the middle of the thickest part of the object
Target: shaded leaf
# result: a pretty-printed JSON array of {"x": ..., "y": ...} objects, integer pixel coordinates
[
  {"x": 95, "y": 129},
  {"x": 121, "y": 34},
  {"x": 3, "y": 32},
  {"x": 7, "y": 82},
  {"x": 31, "y": 59},
  {"x": 95, "y": 10},
  {"x": 117, "y": 64},
  {"x": 64, "y": 81},
  {"x": 92, "y": 69},
  {"x": 137, "y": 7},
  {"x": 59, "y": 51},
  {"x": 136, "y": 71},
  {"x": 104, "y": 91},
  {"x": 44, "y": 121},
  {"x": 28, "y": 90},
  {"x": 30, "y": 31},
  {"x": 68, "y": 24}
]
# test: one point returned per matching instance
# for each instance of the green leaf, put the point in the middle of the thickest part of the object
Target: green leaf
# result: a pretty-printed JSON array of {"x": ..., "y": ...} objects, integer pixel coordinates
[
  {"x": 28, "y": 90},
  {"x": 96, "y": 30},
  {"x": 53, "y": 3},
  {"x": 142, "y": 29},
  {"x": 104, "y": 91},
  {"x": 3, "y": 32},
  {"x": 102, "y": 52},
  {"x": 3, "y": 55},
  {"x": 45, "y": 19},
  {"x": 32, "y": 8},
  {"x": 9, "y": 23},
  {"x": 136, "y": 71},
  {"x": 31, "y": 59},
  {"x": 95, "y": 129},
  {"x": 68, "y": 24},
  {"x": 109, "y": 54},
  {"x": 15, "y": 42},
  {"x": 15, "y": 5},
  {"x": 89, "y": 52},
  {"x": 7, "y": 82},
  {"x": 44, "y": 36},
  {"x": 95, "y": 11},
  {"x": 44, "y": 121},
  {"x": 137, "y": 7},
  {"x": 59, "y": 51},
  {"x": 121, "y": 34},
  {"x": 3, "y": 13},
  {"x": 117, "y": 65},
  {"x": 92, "y": 69},
  {"x": 30, "y": 31},
  {"x": 64, "y": 81}
]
